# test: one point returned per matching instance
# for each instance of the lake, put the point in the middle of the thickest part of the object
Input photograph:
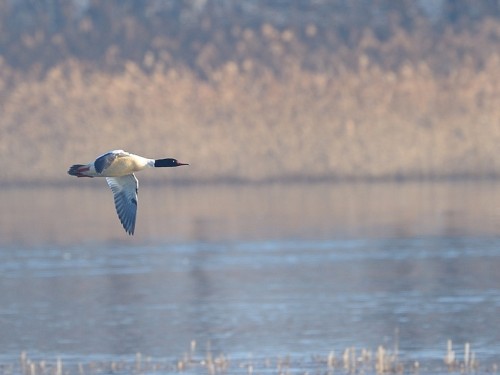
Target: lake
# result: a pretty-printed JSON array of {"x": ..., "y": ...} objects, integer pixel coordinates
[{"x": 251, "y": 279}]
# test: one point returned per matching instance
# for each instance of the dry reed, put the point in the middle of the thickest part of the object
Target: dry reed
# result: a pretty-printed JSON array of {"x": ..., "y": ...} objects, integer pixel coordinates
[
  {"x": 353, "y": 119},
  {"x": 354, "y": 361}
]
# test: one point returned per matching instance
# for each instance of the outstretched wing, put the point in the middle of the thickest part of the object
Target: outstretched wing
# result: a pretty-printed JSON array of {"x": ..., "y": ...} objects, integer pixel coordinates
[{"x": 125, "y": 193}]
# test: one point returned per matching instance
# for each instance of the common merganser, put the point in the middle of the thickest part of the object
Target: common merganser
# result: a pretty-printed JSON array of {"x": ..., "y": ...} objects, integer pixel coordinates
[{"x": 118, "y": 167}]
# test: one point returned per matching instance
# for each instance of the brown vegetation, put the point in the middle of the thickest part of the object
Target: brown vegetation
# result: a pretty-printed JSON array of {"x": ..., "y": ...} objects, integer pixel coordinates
[
  {"x": 352, "y": 361},
  {"x": 399, "y": 106}
]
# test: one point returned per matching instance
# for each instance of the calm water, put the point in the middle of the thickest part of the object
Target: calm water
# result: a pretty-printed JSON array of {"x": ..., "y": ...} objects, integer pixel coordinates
[{"x": 253, "y": 272}]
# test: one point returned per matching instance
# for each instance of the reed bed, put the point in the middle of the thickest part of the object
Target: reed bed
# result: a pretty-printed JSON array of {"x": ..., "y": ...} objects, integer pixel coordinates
[
  {"x": 434, "y": 114},
  {"x": 352, "y": 360},
  {"x": 369, "y": 124}
]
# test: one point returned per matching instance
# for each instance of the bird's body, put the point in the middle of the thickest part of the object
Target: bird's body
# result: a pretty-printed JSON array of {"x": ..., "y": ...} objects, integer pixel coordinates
[
  {"x": 118, "y": 167},
  {"x": 114, "y": 163}
]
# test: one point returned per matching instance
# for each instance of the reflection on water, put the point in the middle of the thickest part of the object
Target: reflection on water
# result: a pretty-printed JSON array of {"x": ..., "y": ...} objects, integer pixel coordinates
[
  {"x": 261, "y": 271},
  {"x": 86, "y": 213}
]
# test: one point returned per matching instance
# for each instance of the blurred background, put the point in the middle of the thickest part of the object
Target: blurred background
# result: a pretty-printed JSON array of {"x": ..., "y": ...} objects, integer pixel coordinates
[
  {"x": 253, "y": 90},
  {"x": 342, "y": 191}
]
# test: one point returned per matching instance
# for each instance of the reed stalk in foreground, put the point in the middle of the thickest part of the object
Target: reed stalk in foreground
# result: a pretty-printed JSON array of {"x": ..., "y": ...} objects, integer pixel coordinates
[{"x": 353, "y": 361}]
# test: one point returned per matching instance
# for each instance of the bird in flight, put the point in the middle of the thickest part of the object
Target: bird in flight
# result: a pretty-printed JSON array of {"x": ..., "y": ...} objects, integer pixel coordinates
[{"x": 118, "y": 167}]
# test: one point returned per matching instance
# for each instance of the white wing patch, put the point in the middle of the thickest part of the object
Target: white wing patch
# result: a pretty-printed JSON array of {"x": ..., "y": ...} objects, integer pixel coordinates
[{"x": 125, "y": 193}]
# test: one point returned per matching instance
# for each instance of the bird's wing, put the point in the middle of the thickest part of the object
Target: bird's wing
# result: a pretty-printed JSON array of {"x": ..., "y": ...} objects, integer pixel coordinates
[
  {"x": 125, "y": 192},
  {"x": 104, "y": 161}
]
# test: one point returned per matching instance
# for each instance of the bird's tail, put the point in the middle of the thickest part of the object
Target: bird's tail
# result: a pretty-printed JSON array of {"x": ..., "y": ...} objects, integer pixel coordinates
[{"x": 78, "y": 170}]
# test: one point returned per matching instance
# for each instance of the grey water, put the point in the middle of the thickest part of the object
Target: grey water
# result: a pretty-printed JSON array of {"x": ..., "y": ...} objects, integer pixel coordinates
[{"x": 265, "y": 271}]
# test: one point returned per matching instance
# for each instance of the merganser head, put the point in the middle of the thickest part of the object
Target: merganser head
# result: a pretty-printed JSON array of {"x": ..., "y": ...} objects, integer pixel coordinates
[{"x": 168, "y": 163}]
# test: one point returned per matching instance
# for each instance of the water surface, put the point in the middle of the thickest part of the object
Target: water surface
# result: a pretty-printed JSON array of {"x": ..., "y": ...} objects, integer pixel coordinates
[{"x": 253, "y": 272}]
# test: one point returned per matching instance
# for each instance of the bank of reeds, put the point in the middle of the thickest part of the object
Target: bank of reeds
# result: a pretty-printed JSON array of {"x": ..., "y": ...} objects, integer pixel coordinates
[
  {"x": 244, "y": 122},
  {"x": 351, "y": 361}
]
